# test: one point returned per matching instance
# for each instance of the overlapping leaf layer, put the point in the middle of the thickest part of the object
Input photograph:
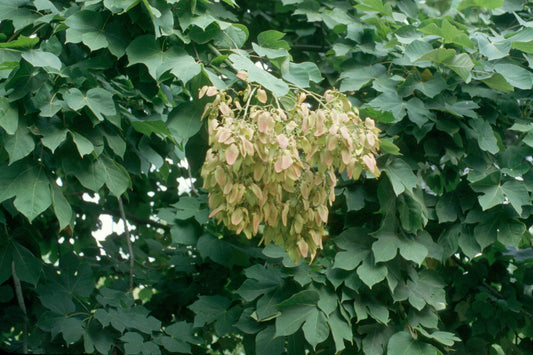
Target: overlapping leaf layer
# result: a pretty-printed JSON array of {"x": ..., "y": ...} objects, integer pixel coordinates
[{"x": 99, "y": 108}]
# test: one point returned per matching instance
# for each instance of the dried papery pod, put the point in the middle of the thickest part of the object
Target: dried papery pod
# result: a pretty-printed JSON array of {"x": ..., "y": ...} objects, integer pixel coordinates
[{"x": 275, "y": 167}]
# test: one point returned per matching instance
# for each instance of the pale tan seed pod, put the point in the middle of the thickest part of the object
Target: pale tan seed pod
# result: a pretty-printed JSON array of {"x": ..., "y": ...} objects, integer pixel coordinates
[
  {"x": 261, "y": 96},
  {"x": 243, "y": 75},
  {"x": 261, "y": 167}
]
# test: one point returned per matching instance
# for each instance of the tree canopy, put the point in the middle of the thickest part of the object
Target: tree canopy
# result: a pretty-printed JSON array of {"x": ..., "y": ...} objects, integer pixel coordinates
[{"x": 423, "y": 241}]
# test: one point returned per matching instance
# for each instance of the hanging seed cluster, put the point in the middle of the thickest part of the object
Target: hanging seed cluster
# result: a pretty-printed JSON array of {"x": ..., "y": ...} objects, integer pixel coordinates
[{"x": 272, "y": 171}]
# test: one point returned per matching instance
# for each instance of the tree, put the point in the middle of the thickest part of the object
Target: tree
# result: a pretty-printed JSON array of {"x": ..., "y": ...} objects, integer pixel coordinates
[{"x": 100, "y": 98}]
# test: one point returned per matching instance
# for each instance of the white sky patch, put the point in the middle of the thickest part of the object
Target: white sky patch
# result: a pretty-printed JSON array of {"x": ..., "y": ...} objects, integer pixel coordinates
[{"x": 185, "y": 184}]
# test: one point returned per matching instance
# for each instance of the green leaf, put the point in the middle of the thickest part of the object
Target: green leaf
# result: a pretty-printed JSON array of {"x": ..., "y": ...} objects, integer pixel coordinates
[
  {"x": 98, "y": 100},
  {"x": 276, "y": 55},
  {"x": 517, "y": 194},
  {"x": 355, "y": 79},
  {"x": 61, "y": 206},
  {"x": 122, "y": 318},
  {"x": 371, "y": 273},
  {"x": 185, "y": 234},
  {"x": 468, "y": 244},
  {"x": 446, "y": 209},
  {"x": 294, "y": 311},
  {"x": 417, "y": 112},
  {"x": 120, "y": 6},
  {"x": 316, "y": 329},
  {"x": 487, "y": 4},
  {"x": 22, "y": 42},
  {"x": 449, "y": 33},
  {"x": 89, "y": 173},
  {"x": 494, "y": 193},
  {"x": 387, "y": 244},
  {"x": 403, "y": 343},
  {"x": 184, "y": 122},
  {"x": 58, "y": 301},
  {"x": 355, "y": 243},
  {"x": 273, "y": 39},
  {"x": 260, "y": 280},
  {"x": 378, "y": 311},
  {"x": 412, "y": 250},
  {"x": 462, "y": 108},
  {"x": 161, "y": 14},
  {"x": 52, "y": 136},
  {"x": 401, "y": 176},
  {"x": 417, "y": 49},
  {"x": 445, "y": 338},
  {"x": 385, "y": 247},
  {"x": 83, "y": 144},
  {"x": 187, "y": 207},
  {"x": 438, "y": 55},
  {"x": 71, "y": 328},
  {"x": 492, "y": 196},
  {"x": 220, "y": 251},
  {"x": 424, "y": 289},
  {"x": 133, "y": 342},
  {"x": 461, "y": 64},
  {"x": 149, "y": 127},
  {"x": 375, "y": 5},
  {"x": 41, "y": 59},
  {"x": 492, "y": 47},
  {"x": 182, "y": 331},
  {"x": 376, "y": 338},
  {"x": 301, "y": 74},
  {"x": 266, "y": 343},
  {"x": 174, "y": 345},
  {"x": 232, "y": 36},
  {"x": 328, "y": 300},
  {"x": 277, "y": 86},
  {"x": 209, "y": 309},
  {"x": 116, "y": 143},
  {"x": 515, "y": 75},
  {"x": 498, "y": 82},
  {"x": 413, "y": 215},
  {"x": 88, "y": 27},
  {"x": 27, "y": 266},
  {"x": 117, "y": 178},
  {"x": 30, "y": 186},
  {"x": 511, "y": 233},
  {"x": 340, "y": 330},
  {"x": 96, "y": 338},
  {"x": 9, "y": 116},
  {"x": 355, "y": 198},
  {"x": 392, "y": 102},
  {"x": 19, "y": 145},
  {"x": 147, "y": 51},
  {"x": 14, "y": 11},
  {"x": 526, "y": 47}
]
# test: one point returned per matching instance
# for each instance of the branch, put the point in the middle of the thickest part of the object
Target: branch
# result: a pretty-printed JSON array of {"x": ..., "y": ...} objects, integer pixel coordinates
[
  {"x": 20, "y": 300},
  {"x": 128, "y": 239},
  {"x": 489, "y": 288},
  {"x": 193, "y": 189}
]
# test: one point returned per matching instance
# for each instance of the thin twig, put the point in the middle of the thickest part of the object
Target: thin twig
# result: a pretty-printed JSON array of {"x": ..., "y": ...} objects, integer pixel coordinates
[
  {"x": 20, "y": 300},
  {"x": 128, "y": 239},
  {"x": 193, "y": 189}
]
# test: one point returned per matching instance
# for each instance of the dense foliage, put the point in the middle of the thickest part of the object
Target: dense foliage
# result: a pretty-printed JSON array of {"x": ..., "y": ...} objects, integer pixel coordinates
[{"x": 100, "y": 98}]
